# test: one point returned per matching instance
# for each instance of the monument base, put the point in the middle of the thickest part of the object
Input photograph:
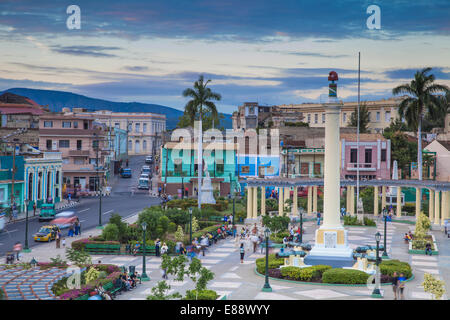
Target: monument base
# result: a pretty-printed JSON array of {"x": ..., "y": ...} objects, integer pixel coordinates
[
  {"x": 333, "y": 261},
  {"x": 331, "y": 243}
]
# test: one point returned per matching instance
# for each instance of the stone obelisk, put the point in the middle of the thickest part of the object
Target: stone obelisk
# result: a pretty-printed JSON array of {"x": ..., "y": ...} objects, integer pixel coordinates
[{"x": 331, "y": 237}]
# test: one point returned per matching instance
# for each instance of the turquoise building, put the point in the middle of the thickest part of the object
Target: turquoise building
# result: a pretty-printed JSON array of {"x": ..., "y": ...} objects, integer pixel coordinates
[
  {"x": 7, "y": 182},
  {"x": 179, "y": 167}
]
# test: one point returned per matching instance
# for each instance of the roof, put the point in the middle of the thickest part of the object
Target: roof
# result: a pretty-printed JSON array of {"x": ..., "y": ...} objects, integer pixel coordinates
[
  {"x": 445, "y": 144},
  {"x": 9, "y": 108},
  {"x": 9, "y": 97},
  {"x": 362, "y": 136}
]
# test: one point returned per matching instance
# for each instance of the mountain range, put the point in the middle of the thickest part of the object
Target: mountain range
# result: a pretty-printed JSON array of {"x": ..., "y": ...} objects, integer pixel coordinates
[{"x": 56, "y": 100}]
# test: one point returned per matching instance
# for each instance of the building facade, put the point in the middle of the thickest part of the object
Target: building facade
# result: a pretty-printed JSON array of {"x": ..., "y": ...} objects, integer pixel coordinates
[
  {"x": 10, "y": 182},
  {"x": 441, "y": 149}
]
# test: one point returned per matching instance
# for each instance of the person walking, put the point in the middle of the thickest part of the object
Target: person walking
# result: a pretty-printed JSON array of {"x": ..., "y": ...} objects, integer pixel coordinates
[
  {"x": 204, "y": 244},
  {"x": 34, "y": 209},
  {"x": 242, "y": 252},
  {"x": 401, "y": 286},
  {"x": 76, "y": 227},
  {"x": 158, "y": 247},
  {"x": 318, "y": 218},
  {"x": 234, "y": 231},
  {"x": 254, "y": 239},
  {"x": 395, "y": 285},
  {"x": 17, "y": 248},
  {"x": 58, "y": 240}
]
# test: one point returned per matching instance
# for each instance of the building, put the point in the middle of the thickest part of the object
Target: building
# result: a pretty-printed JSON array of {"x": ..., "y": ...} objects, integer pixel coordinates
[
  {"x": 251, "y": 115},
  {"x": 43, "y": 179},
  {"x": 179, "y": 166},
  {"x": 10, "y": 182},
  {"x": 144, "y": 128},
  {"x": 80, "y": 143},
  {"x": 442, "y": 158}
]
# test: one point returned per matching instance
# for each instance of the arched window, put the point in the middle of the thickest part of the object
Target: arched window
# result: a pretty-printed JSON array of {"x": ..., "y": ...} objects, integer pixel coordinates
[
  {"x": 30, "y": 186},
  {"x": 144, "y": 145}
]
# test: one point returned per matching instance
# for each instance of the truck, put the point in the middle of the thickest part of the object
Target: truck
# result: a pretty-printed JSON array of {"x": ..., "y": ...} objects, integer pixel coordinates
[{"x": 47, "y": 212}]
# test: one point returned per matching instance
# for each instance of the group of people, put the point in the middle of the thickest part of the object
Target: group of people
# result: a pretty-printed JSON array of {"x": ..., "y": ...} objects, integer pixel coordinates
[
  {"x": 127, "y": 281},
  {"x": 398, "y": 286}
]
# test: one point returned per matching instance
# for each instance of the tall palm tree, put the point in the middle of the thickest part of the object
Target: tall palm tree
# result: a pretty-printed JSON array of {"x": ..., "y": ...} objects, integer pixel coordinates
[
  {"x": 422, "y": 97},
  {"x": 201, "y": 102}
]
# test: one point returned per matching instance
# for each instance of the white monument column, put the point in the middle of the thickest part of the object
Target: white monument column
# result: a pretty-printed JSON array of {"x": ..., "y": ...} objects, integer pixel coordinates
[
  {"x": 310, "y": 200},
  {"x": 249, "y": 202},
  {"x": 255, "y": 203},
  {"x": 263, "y": 201},
  {"x": 436, "y": 207}
]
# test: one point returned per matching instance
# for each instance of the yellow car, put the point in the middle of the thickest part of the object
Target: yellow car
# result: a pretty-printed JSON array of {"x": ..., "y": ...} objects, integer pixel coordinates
[{"x": 46, "y": 233}]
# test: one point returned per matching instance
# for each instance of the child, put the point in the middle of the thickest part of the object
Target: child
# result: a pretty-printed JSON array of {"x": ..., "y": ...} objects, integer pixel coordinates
[
  {"x": 64, "y": 242},
  {"x": 242, "y": 252}
]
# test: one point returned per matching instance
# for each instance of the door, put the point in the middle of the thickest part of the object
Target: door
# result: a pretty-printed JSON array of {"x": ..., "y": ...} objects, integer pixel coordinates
[
  {"x": 137, "y": 147},
  {"x": 83, "y": 183}
]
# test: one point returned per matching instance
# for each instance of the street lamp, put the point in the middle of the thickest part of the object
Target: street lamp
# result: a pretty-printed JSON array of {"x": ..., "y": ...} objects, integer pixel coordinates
[
  {"x": 26, "y": 248},
  {"x": 267, "y": 287},
  {"x": 376, "y": 291},
  {"x": 144, "y": 276},
  {"x": 96, "y": 145},
  {"x": 301, "y": 226},
  {"x": 190, "y": 226},
  {"x": 385, "y": 255}
]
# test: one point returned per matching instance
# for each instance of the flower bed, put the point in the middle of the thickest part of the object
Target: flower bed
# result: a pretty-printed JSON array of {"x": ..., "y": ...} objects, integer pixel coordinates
[{"x": 418, "y": 246}]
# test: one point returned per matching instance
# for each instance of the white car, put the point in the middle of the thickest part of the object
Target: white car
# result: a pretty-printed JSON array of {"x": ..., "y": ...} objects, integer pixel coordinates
[{"x": 144, "y": 176}]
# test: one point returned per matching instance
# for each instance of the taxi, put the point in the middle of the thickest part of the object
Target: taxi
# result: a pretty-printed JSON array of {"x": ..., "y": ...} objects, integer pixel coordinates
[{"x": 46, "y": 233}]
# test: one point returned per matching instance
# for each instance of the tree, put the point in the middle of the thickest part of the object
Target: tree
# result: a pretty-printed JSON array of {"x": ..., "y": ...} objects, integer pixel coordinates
[
  {"x": 179, "y": 234},
  {"x": 363, "y": 118},
  {"x": 421, "y": 98},
  {"x": 437, "y": 118},
  {"x": 434, "y": 286},
  {"x": 401, "y": 149},
  {"x": 201, "y": 103},
  {"x": 160, "y": 292},
  {"x": 78, "y": 257},
  {"x": 195, "y": 225},
  {"x": 111, "y": 232}
]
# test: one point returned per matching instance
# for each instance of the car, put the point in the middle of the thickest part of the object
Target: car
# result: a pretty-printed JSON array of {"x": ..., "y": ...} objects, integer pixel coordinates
[
  {"x": 46, "y": 233},
  {"x": 146, "y": 169},
  {"x": 149, "y": 159},
  {"x": 144, "y": 176},
  {"x": 126, "y": 173},
  {"x": 47, "y": 211}
]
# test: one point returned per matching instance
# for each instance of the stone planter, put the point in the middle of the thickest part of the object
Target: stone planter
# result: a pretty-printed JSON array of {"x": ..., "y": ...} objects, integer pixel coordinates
[{"x": 416, "y": 251}]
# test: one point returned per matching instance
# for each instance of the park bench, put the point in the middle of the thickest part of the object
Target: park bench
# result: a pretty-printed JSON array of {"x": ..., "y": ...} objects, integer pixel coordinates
[
  {"x": 102, "y": 248},
  {"x": 216, "y": 218},
  {"x": 83, "y": 297},
  {"x": 149, "y": 251},
  {"x": 111, "y": 289}
]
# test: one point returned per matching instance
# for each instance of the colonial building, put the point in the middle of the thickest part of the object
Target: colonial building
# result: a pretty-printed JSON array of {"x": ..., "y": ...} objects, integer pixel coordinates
[
  {"x": 144, "y": 129},
  {"x": 441, "y": 149},
  {"x": 81, "y": 143},
  {"x": 10, "y": 181},
  {"x": 43, "y": 179}
]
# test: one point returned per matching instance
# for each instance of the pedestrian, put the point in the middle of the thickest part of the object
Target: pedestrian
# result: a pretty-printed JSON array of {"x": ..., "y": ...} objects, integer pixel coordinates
[
  {"x": 401, "y": 285},
  {"x": 70, "y": 233},
  {"x": 204, "y": 244},
  {"x": 69, "y": 198},
  {"x": 261, "y": 243},
  {"x": 318, "y": 218},
  {"x": 164, "y": 248},
  {"x": 58, "y": 240},
  {"x": 242, "y": 252},
  {"x": 14, "y": 211},
  {"x": 182, "y": 249},
  {"x": 428, "y": 249},
  {"x": 79, "y": 226},
  {"x": 158, "y": 247},
  {"x": 395, "y": 285},
  {"x": 234, "y": 230},
  {"x": 159, "y": 191},
  {"x": 34, "y": 209},
  {"x": 17, "y": 248},
  {"x": 254, "y": 240},
  {"x": 127, "y": 163},
  {"x": 76, "y": 227}
]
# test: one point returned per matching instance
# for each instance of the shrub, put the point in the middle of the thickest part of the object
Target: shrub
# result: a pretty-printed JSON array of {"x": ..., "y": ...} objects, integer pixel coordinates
[
  {"x": 179, "y": 234},
  {"x": 201, "y": 295},
  {"x": 434, "y": 286},
  {"x": 274, "y": 263},
  {"x": 172, "y": 227},
  {"x": 423, "y": 224},
  {"x": 318, "y": 270},
  {"x": 111, "y": 232},
  {"x": 345, "y": 276},
  {"x": 296, "y": 273},
  {"x": 369, "y": 222},
  {"x": 92, "y": 274},
  {"x": 388, "y": 267}
]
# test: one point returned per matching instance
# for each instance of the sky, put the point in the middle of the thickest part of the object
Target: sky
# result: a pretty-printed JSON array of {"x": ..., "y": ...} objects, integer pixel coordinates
[{"x": 271, "y": 52}]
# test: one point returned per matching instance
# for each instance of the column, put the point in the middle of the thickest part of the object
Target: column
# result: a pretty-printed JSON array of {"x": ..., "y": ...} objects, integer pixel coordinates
[
  {"x": 280, "y": 201},
  {"x": 347, "y": 203},
  {"x": 315, "y": 199},
  {"x": 263, "y": 201},
  {"x": 418, "y": 202},
  {"x": 399, "y": 201},
  {"x": 431, "y": 205},
  {"x": 287, "y": 194},
  {"x": 255, "y": 203},
  {"x": 383, "y": 196},
  {"x": 375, "y": 201},
  {"x": 249, "y": 202},
  {"x": 445, "y": 214},
  {"x": 437, "y": 207},
  {"x": 309, "y": 200},
  {"x": 352, "y": 200},
  {"x": 295, "y": 202}
]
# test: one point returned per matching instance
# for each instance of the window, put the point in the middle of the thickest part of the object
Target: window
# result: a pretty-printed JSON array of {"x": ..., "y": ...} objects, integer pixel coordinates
[
  {"x": 64, "y": 144},
  {"x": 344, "y": 117},
  {"x": 138, "y": 127},
  {"x": 48, "y": 124},
  {"x": 85, "y": 125},
  {"x": 353, "y": 155},
  {"x": 245, "y": 169},
  {"x": 177, "y": 168},
  {"x": 387, "y": 116},
  {"x": 317, "y": 169},
  {"x": 304, "y": 168},
  {"x": 93, "y": 161},
  {"x": 144, "y": 128},
  {"x": 316, "y": 116},
  {"x": 78, "y": 161},
  {"x": 220, "y": 167},
  {"x": 323, "y": 117},
  {"x": 130, "y": 145},
  {"x": 383, "y": 155},
  {"x": 49, "y": 144},
  {"x": 79, "y": 144},
  {"x": 309, "y": 118},
  {"x": 368, "y": 116},
  {"x": 75, "y": 124},
  {"x": 117, "y": 125},
  {"x": 66, "y": 124},
  {"x": 144, "y": 144},
  {"x": 95, "y": 144},
  {"x": 368, "y": 156},
  {"x": 65, "y": 160},
  {"x": 378, "y": 116}
]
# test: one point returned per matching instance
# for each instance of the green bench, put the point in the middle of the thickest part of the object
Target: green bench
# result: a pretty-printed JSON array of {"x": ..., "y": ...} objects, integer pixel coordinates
[
  {"x": 216, "y": 218},
  {"x": 83, "y": 297},
  {"x": 149, "y": 251},
  {"x": 102, "y": 248},
  {"x": 109, "y": 287}
]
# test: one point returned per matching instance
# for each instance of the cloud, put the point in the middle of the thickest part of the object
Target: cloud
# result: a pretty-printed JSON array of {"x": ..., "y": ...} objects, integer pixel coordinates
[
  {"x": 91, "y": 51},
  {"x": 136, "y": 68},
  {"x": 438, "y": 72}
]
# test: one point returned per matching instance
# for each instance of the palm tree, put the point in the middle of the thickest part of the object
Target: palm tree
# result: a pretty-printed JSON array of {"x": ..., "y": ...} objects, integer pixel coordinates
[
  {"x": 200, "y": 103},
  {"x": 422, "y": 96}
]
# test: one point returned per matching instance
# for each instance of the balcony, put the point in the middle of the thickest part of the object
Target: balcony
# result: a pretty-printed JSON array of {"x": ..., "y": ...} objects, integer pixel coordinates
[
  {"x": 83, "y": 153},
  {"x": 362, "y": 167}
]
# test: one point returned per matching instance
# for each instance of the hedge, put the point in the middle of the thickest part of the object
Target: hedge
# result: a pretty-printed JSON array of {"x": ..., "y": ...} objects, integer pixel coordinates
[
  {"x": 304, "y": 274},
  {"x": 388, "y": 267},
  {"x": 274, "y": 263},
  {"x": 202, "y": 295},
  {"x": 345, "y": 276},
  {"x": 80, "y": 244}
]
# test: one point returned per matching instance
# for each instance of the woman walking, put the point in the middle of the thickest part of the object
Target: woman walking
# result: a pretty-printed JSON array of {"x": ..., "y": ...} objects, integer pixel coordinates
[
  {"x": 242, "y": 251},
  {"x": 395, "y": 285}
]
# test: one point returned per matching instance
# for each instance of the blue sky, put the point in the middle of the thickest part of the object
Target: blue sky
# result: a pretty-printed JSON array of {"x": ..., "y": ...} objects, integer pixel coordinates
[{"x": 273, "y": 52}]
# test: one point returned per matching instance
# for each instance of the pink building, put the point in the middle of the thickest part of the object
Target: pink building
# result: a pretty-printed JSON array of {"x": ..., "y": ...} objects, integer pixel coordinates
[
  {"x": 76, "y": 138},
  {"x": 374, "y": 156}
]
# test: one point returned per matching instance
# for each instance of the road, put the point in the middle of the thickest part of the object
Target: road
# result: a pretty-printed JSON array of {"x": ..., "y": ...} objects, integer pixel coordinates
[{"x": 88, "y": 209}]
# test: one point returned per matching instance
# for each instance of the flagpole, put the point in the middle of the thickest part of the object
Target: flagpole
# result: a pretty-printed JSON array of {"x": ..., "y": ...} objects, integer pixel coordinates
[{"x": 357, "y": 133}]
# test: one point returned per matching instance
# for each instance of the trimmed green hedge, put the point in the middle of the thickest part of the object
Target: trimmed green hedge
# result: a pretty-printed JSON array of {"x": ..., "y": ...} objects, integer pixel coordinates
[
  {"x": 274, "y": 263},
  {"x": 304, "y": 274},
  {"x": 388, "y": 267},
  {"x": 345, "y": 276},
  {"x": 202, "y": 295},
  {"x": 353, "y": 221}
]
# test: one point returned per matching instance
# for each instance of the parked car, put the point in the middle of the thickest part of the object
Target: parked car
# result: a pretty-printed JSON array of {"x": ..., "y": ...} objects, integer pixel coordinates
[
  {"x": 149, "y": 159},
  {"x": 146, "y": 169},
  {"x": 47, "y": 212},
  {"x": 126, "y": 173},
  {"x": 47, "y": 233},
  {"x": 144, "y": 176},
  {"x": 144, "y": 183}
]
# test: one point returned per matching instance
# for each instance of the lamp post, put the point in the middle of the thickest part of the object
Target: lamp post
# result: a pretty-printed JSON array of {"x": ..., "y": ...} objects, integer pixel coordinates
[
  {"x": 96, "y": 145},
  {"x": 190, "y": 226},
  {"x": 182, "y": 186},
  {"x": 267, "y": 287},
  {"x": 376, "y": 293},
  {"x": 385, "y": 255},
  {"x": 301, "y": 225},
  {"x": 144, "y": 276},
  {"x": 26, "y": 248}
]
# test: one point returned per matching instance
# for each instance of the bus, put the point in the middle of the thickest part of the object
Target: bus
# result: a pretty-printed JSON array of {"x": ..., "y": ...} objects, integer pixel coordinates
[{"x": 143, "y": 183}]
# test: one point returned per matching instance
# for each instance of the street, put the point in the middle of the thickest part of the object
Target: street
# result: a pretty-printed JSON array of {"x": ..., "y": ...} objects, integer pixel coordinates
[{"x": 88, "y": 209}]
